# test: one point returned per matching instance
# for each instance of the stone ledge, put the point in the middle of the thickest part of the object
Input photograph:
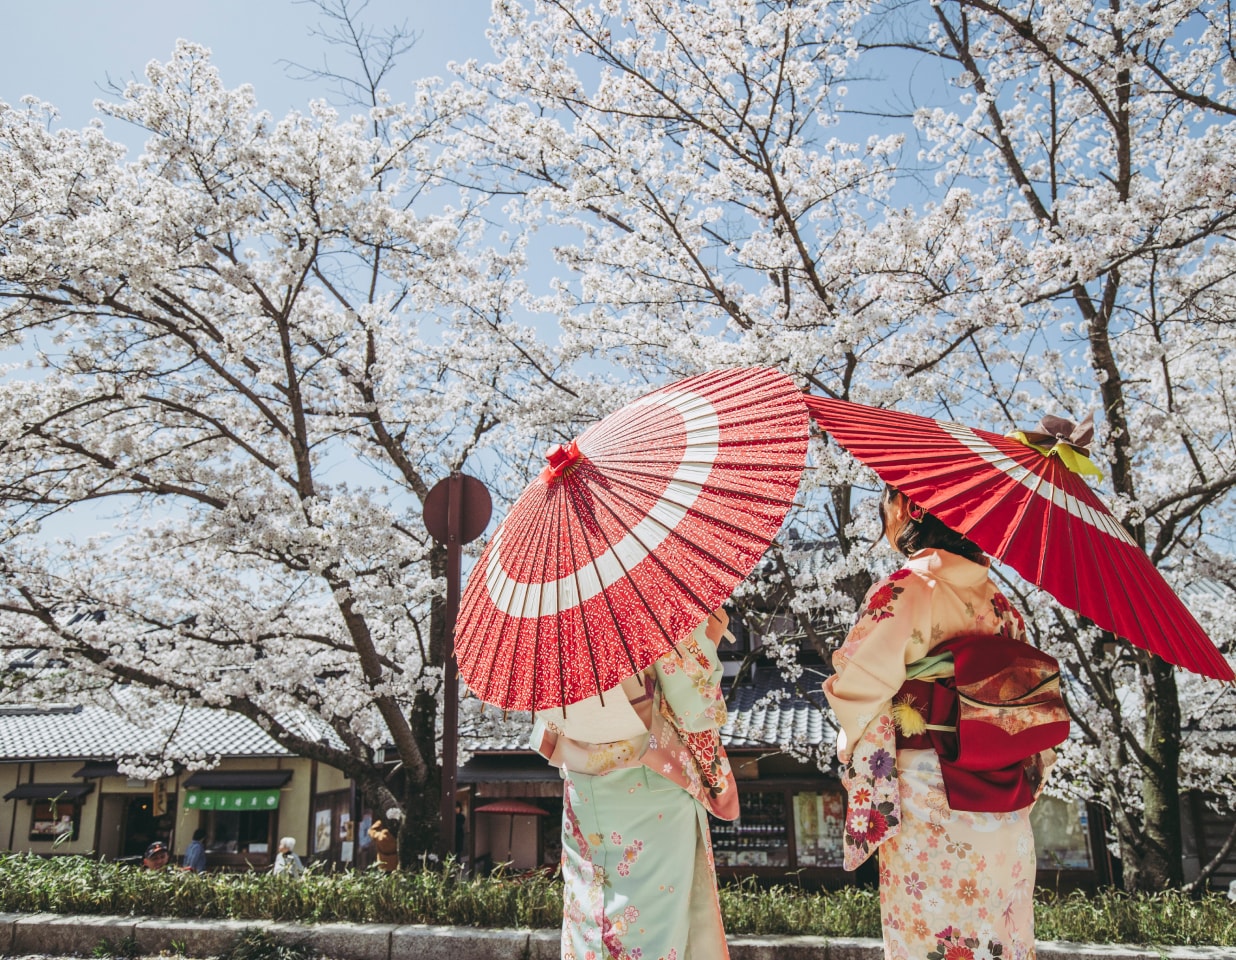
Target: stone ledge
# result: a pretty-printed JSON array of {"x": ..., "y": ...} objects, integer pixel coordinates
[
  {"x": 64, "y": 935},
  {"x": 417, "y": 942},
  {"x": 353, "y": 941},
  {"x": 1064, "y": 950},
  {"x": 7, "y": 922},
  {"x": 775, "y": 947},
  {"x": 198, "y": 938},
  {"x": 57, "y": 933}
]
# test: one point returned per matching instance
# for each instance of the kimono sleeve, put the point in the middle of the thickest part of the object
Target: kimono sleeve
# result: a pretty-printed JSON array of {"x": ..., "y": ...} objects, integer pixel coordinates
[
  {"x": 871, "y": 664},
  {"x": 690, "y": 679},
  {"x": 544, "y": 737}
]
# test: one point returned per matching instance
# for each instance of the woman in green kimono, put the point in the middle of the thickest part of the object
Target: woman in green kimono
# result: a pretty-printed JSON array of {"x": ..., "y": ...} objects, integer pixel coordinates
[{"x": 637, "y": 865}]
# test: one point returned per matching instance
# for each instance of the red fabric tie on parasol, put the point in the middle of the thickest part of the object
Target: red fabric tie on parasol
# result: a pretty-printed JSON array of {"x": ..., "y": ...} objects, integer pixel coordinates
[
  {"x": 1032, "y": 512},
  {"x": 630, "y": 536}
]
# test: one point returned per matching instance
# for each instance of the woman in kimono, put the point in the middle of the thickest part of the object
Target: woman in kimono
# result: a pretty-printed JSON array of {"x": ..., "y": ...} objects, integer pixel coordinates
[
  {"x": 957, "y": 859},
  {"x": 637, "y": 865}
]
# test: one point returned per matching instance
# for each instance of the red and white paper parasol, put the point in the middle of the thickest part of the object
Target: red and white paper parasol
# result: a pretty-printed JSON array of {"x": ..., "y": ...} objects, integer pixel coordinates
[
  {"x": 630, "y": 536},
  {"x": 1032, "y": 512}
]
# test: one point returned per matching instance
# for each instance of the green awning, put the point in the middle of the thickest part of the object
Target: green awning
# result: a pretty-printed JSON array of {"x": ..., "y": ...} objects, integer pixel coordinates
[{"x": 235, "y": 800}]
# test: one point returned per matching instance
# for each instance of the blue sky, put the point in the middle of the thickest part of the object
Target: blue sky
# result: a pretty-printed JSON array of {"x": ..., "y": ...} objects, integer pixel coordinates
[{"x": 64, "y": 51}]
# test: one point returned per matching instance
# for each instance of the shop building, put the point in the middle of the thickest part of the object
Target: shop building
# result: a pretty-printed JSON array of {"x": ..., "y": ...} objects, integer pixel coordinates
[{"x": 64, "y": 791}]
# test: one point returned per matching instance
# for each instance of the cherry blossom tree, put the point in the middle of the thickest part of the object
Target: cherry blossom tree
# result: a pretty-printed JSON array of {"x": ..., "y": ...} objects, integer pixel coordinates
[
  {"x": 1037, "y": 222},
  {"x": 1103, "y": 137},
  {"x": 259, "y": 343},
  {"x": 237, "y": 364}
]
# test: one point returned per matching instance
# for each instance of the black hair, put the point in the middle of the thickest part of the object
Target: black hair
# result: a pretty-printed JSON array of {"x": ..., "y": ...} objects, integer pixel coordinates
[
  {"x": 199, "y": 833},
  {"x": 928, "y": 533}
]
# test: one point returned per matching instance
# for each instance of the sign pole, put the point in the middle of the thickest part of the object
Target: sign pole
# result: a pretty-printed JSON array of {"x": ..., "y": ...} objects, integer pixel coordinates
[
  {"x": 456, "y": 511},
  {"x": 450, "y": 699}
]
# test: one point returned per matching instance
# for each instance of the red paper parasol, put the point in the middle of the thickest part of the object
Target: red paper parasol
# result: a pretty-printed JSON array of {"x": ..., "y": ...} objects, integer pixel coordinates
[
  {"x": 630, "y": 536},
  {"x": 512, "y": 809},
  {"x": 1031, "y": 512}
]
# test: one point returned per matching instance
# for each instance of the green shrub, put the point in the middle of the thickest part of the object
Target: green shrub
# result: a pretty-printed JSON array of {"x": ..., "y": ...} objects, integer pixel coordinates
[
  {"x": 1112, "y": 916},
  {"x": 30, "y": 884},
  {"x": 749, "y": 907}
]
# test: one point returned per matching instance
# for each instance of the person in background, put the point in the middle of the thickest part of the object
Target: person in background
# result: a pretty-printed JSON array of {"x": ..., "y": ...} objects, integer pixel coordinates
[
  {"x": 461, "y": 825},
  {"x": 386, "y": 843},
  {"x": 156, "y": 856},
  {"x": 287, "y": 863},
  {"x": 195, "y": 852},
  {"x": 637, "y": 865}
]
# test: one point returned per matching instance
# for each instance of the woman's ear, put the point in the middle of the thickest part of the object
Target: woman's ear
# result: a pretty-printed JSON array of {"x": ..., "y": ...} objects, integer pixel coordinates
[{"x": 896, "y": 516}]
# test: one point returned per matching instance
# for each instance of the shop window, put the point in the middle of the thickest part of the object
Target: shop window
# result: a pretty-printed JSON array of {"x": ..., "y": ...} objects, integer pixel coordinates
[
  {"x": 744, "y": 643},
  {"x": 1061, "y": 834},
  {"x": 333, "y": 831},
  {"x": 239, "y": 831},
  {"x": 55, "y": 821},
  {"x": 819, "y": 828},
  {"x": 759, "y": 837}
]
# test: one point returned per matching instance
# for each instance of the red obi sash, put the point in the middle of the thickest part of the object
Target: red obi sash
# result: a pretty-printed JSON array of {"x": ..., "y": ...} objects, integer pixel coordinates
[{"x": 988, "y": 722}]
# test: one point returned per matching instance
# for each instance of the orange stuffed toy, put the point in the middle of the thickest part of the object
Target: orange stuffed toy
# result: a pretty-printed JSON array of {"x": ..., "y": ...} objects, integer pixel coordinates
[{"x": 386, "y": 844}]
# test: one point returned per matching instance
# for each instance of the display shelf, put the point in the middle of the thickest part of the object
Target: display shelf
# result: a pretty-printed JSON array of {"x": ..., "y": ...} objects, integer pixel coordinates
[{"x": 759, "y": 837}]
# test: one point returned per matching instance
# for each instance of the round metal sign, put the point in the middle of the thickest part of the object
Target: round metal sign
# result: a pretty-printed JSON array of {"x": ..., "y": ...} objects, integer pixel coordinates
[{"x": 469, "y": 497}]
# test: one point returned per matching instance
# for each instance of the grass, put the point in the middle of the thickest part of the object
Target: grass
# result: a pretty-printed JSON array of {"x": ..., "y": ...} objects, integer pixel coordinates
[
  {"x": 256, "y": 944},
  {"x": 30, "y": 884},
  {"x": 124, "y": 949}
]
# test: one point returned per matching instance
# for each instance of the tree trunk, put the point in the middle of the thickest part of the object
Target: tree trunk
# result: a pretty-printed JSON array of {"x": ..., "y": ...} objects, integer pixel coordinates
[
  {"x": 1152, "y": 862},
  {"x": 418, "y": 835},
  {"x": 421, "y": 800}
]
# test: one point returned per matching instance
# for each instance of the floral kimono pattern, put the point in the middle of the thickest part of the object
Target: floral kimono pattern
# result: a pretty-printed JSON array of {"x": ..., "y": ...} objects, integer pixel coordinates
[
  {"x": 954, "y": 885},
  {"x": 637, "y": 864}
]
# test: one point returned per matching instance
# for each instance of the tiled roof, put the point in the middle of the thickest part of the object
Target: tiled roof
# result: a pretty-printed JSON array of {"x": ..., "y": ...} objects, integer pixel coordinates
[
  {"x": 495, "y": 733},
  {"x": 765, "y": 713},
  {"x": 204, "y": 731},
  {"x": 39, "y": 733},
  {"x": 86, "y": 732},
  {"x": 769, "y": 712}
]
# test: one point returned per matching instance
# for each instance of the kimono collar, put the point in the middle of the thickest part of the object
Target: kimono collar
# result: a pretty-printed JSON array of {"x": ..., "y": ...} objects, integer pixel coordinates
[{"x": 949, "y": 567}]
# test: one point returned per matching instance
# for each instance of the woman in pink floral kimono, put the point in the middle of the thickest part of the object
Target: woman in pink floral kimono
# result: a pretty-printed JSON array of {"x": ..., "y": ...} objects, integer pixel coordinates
[
  {"x": 957, "y": 860},
  {"x": 637, "y": 866}
]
